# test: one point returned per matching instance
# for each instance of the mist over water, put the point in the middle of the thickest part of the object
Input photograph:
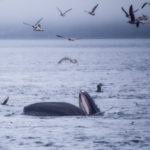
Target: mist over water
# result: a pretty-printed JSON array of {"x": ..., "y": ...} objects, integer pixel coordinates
[{"x": 29, "y": 73}]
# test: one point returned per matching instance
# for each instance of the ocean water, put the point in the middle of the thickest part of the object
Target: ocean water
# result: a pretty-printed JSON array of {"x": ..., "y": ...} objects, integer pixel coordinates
[{"x": 29, "y": 73}]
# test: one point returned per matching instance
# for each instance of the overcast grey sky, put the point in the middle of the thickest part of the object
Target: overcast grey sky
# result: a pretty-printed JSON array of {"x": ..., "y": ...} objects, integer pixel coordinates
[{"x": 109, "y": 20}]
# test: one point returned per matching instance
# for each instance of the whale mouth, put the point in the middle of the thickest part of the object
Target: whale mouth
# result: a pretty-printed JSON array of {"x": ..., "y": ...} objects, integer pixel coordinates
[{"x": 87, "y": 104}]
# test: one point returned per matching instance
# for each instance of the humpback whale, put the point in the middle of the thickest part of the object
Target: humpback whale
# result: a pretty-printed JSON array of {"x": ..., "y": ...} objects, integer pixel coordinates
[{"x": 87, "y": 106}]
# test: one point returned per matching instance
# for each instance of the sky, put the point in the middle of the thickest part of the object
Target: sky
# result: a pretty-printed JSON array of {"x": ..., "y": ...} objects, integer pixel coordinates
[{"x": 108, "y": 22}]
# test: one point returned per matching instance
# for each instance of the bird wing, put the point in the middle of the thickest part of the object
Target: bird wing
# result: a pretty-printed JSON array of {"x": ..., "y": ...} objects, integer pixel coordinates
[
  {"x": 59, "y": 10},
  {"x": 127, "y": 15},
  {"x": 136, "y": 10},
  {"x": 27, "y": 24},
  {"x": 63, "y": 59},
  {"x": 67, "y": 58},
  {"x": 60, "y": 36},
  {"x": 67, "y": 10},
  {"x": 143, "y": 17},
  {"x": 38, "y": 21},
  {"x": 94, "y": 8},
  {"x": 131, "y": 13},
  {"x": 144, "y": 5}
]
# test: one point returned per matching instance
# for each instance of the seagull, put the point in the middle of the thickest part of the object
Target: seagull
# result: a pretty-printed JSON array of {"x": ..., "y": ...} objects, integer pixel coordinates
[
  {"x": 141, "y": 19},
  {"x": 36, "y": 26},
  {"x": 93, "y": 10},
  {"x": 138, "y": 20},
  {"x": 146, "y": 3},
  {"x": 69, "y": 59},
  {"x": 127, "y": 14},
  {"x": 132, "y": 18},
  {"x": 63, "y": 13},
  {"x": 69, "y": 39}
]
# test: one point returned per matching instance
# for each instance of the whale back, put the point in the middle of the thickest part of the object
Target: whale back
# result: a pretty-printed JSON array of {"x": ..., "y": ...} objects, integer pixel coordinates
[
  {"x": 87, "y": 104},
  {"x": 53, "y": 109}
]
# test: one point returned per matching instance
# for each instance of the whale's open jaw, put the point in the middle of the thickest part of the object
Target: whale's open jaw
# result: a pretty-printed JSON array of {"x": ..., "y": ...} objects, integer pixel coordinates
[{"x": 87, "y": 104}]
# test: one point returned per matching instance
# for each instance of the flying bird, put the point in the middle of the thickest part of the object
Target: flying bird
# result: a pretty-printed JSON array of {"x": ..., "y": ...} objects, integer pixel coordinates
[
  {"x": 132, "y": 18},
  {"x": 63, "y": 13},
  {"x": 36, "y": 26},
  {"x": 146, "y": 3},
  {"x": 127, "y": 14},
  {"x": 68, "y": 38},
  {"x": 92, "y": 12},
  {"x": 141, "y": 19},
  {"x": 138, "y": 20}
]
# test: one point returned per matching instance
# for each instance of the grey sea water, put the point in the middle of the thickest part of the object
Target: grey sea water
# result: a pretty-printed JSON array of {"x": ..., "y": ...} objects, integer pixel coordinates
[{"x": 29, "y": 73}]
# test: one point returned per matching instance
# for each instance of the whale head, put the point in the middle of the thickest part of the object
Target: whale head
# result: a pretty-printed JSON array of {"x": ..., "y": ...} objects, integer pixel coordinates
[{"x": 87, "y": 104}]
